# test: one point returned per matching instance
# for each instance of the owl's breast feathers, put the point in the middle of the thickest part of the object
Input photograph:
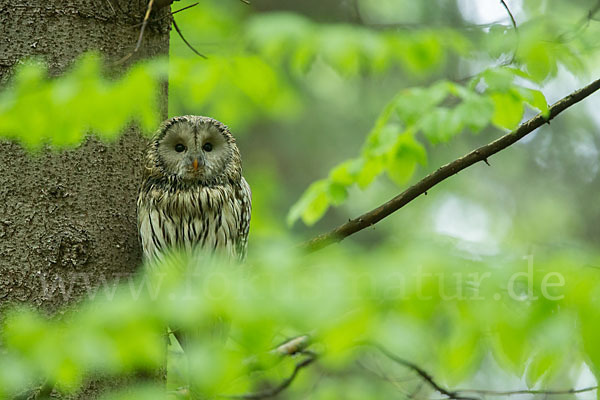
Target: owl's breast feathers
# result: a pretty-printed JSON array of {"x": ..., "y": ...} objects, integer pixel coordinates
[{"x": 189, "y": 216}]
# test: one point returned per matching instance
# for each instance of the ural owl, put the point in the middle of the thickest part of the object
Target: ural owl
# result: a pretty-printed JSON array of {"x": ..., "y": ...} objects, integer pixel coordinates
[{"x": 193, "y": 194}]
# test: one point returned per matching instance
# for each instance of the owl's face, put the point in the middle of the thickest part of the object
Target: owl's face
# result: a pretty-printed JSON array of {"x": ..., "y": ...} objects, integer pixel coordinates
[{"x": 196, "y": 149}]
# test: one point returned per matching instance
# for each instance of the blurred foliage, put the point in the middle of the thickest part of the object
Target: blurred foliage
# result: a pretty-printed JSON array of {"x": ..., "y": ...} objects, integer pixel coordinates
[
  {"x": 295, "y": 43},
  {"x": 448, "y": 317},
  {"x": 443, "y": 285},
  {"x": 67, "y": 107}
]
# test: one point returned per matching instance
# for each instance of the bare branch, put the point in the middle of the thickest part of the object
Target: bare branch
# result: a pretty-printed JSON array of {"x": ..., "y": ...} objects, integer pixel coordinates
[
  {"x": 144, "y": 24},
  {"x": 514, "y": 23},
  {"x": 484, "y": 392},
  {"x": 459, "y": 394},
  {"x": 141, "y": 35},
  {"x": 397, "y": 383},
  {"x": 265, "y": 394},
  {"x": 481, "y": 154},
  {"x": 184, "y": 8},
  {"x": 170, "y": 14},
  {"x": 455, "y": 395},
  {"x": 111, "y": 7},
  {"x": 582, "y": 25},
  {"x": 185, "y": 41}
]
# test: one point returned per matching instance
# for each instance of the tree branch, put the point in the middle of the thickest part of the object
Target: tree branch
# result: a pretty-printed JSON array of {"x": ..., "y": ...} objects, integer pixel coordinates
[
  {"x": 141, "y": 34},
  {"x": 459, "y": 394},
  {"x": 512, "y": 19},
  {"x": 582, "y": 25},
  {"x": 484, "y": 392},
  {"x": 170, "y": 14},
  {"x": 185, "y": 41},
  {"x": 455, "y": 395},
  {"x": 481, "y": 154},
  {"x": 311, "y": 357}
]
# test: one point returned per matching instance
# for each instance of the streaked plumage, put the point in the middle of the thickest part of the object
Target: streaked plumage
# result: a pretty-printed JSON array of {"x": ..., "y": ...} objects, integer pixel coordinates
[{"x": 193, "y": 193}]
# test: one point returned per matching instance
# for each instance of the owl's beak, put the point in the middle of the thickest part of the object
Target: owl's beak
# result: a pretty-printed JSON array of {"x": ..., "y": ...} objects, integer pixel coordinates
[{"x": 195, "y": 164}]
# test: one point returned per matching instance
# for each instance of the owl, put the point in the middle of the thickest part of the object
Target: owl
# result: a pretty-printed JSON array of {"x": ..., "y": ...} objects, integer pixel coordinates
[{"x": 193, "y": 194}]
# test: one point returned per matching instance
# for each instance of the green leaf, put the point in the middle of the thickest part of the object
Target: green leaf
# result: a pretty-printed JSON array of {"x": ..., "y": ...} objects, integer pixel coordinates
[
  {"x": 411, "y": 104},
  {"x": 510, "y": 346},
  {"x": 36, "y": 110},
  {"x": 508, "y": 109},
  {"x": 476, "y": 112},
  {"x": 380, "y": 141},
  {"x": 345, "y": 173},
  {"x": 498, "y": 79},
  {"x": 540, "y": 366},
  {"x": 312, "y": 204},
  {"x": 536, "y": 99},
  {"x": 423, "y": 54},
  {"x": 336, "y": 193},
  {"x": 371, "y": 168},
  {"x": 403, "y": 159},
  {"x": 459, "y": 355},
  {"x": 588, "y": 322},
  {"x": 441, "y": 124},
  {"x": 400, "y": 169},
  {"x": 539, "y": 62}
]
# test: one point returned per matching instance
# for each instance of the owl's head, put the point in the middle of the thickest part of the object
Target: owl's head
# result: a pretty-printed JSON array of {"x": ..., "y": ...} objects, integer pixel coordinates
[{"x": 195, "y": 149}]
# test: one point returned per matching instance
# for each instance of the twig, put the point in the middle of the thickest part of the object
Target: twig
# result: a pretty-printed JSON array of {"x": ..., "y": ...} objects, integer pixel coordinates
[
  {"x": 185, "y": 41},
  {"x": 514, "y": 23},
  {"x": 182, "y": 9},
  {"x": 141, "y": 35},
  {"x": 482, "y": 153},
  {"x": 394, "y": 382},
  {"x": 582, "y": 25},
  {"x": 458, "y": 394},
  {"x": 145, "y": 22},
  {"x": 455, "y": 395},
  {"x": 282, "y": 386},
  {"x": 111, "y": 7},
  {"x": 169, "y": 14},
  {"x": 484, "y": 392}
]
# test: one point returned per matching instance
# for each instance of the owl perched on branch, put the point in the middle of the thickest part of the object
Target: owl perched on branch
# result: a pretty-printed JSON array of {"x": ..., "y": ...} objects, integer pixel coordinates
[{"x": 194, "y": 194}]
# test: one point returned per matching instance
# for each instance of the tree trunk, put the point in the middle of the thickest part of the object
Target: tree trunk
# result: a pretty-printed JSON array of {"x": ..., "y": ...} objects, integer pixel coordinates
[{"x": 67, "y": 219}]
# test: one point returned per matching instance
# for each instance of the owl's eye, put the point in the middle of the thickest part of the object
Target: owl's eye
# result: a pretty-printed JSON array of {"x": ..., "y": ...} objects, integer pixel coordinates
[
  {"x": 207, "y": 147},
  {"x": 179, "y": 147}
]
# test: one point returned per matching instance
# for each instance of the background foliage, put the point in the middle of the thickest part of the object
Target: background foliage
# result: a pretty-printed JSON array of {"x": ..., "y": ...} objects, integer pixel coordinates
[{"x": 336, "y": 108}]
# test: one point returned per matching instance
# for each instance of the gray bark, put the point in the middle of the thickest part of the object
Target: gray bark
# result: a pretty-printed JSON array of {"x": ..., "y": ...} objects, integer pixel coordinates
[{"x": 67, "y": 219}]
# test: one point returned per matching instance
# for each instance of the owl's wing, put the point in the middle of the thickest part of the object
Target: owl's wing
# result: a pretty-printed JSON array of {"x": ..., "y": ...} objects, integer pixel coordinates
[
  {"x": 149, "y": 221},
  {"x": 244, "y": 227},
  {"x": 146, "y": 234}
]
